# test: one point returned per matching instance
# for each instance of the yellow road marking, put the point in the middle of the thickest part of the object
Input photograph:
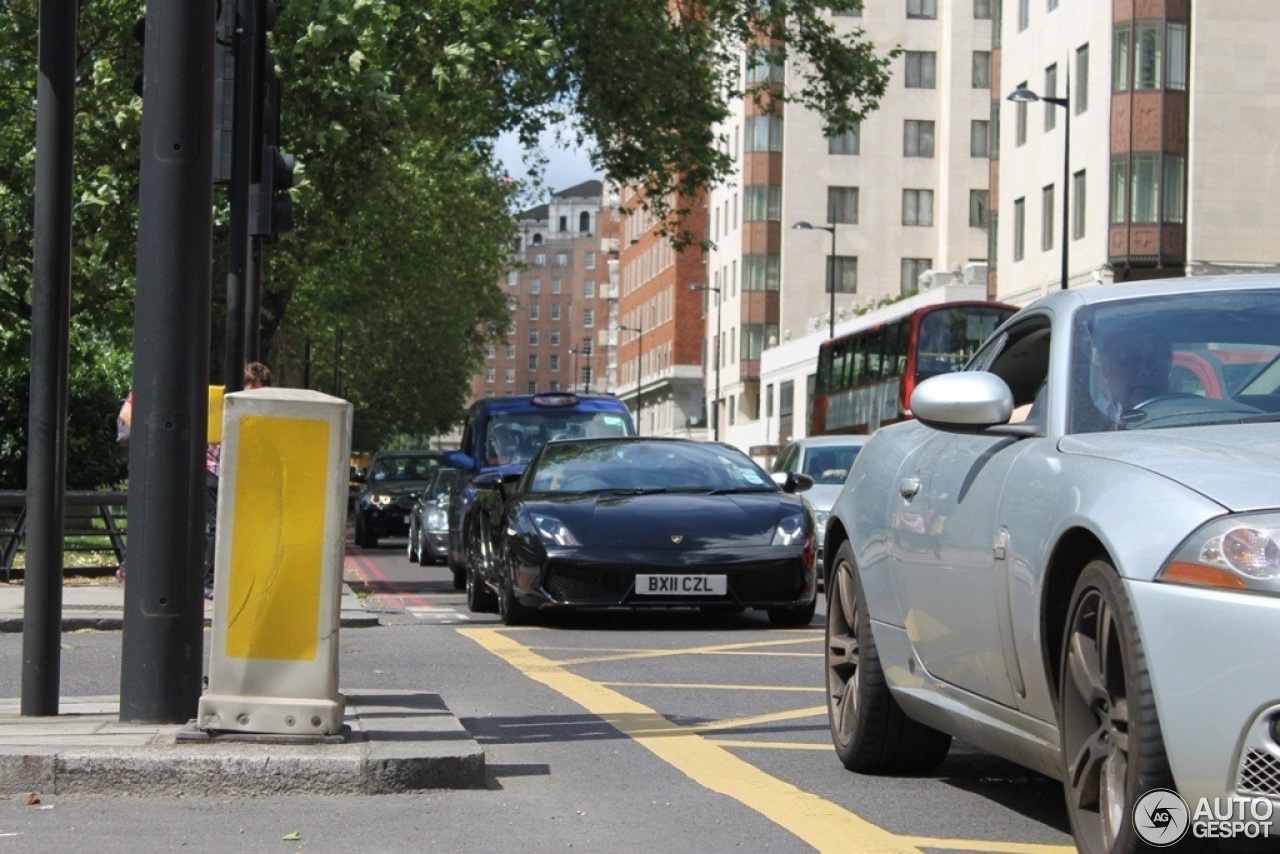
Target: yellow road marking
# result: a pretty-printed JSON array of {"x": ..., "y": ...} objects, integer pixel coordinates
[
  {"x": 708, "y": 686},
  {"x": 715, "y": 649},
  {"x": 820, "y": 823}
]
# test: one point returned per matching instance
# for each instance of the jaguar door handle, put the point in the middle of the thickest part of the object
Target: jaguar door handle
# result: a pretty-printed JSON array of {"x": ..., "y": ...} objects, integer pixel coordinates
[{"x": 909, "y": 487}]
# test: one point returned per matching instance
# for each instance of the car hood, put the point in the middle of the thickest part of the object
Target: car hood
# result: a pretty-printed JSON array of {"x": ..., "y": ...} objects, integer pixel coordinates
[
  {"x": 671, "y": 521},
  {"x": 1234, "y": 465},
  {"x": 399, "y": 487}
]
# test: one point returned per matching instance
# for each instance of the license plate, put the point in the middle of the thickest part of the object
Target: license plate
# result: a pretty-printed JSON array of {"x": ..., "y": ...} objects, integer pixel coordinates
[{"x": 681, "y": 585}]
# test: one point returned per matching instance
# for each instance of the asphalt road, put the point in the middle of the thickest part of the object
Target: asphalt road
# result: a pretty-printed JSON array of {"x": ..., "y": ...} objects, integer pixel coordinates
[{"x": 673, "y": 731}]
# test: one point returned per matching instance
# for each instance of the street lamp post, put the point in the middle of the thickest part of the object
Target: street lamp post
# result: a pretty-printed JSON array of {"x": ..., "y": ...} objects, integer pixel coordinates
[
  {"x": 831, "y": 268},
  {"x": 574, "y": 378},
  {"x": 639, "y": 372},
  {"x": 1023, "y": 95},
  {"x": 715, "y": 401}
]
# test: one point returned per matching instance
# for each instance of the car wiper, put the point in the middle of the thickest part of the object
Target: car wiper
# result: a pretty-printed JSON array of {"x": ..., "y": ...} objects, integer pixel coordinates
[{"x": 730, "y": 490}]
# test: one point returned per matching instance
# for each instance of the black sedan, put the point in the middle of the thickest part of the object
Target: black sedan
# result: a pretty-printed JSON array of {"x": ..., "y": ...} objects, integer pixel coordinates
[
  {"x": 644, "y": 523},
  {"x": 429, "y": 520}
]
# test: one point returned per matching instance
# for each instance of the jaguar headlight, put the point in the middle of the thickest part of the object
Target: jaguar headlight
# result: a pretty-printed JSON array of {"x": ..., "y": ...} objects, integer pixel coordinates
[
  {"x": 1235, "y": 553},
  {"x": 553, "y": 531},
  {"x": 790, "y": 531}
]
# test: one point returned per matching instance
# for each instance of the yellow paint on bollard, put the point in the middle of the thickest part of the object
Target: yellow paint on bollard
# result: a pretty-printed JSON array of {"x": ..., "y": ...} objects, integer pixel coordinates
[{"x": 274, "y": 589}]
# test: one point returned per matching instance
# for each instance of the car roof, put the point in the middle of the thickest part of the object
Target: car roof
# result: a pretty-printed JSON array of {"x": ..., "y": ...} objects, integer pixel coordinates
[
  {"x": 1157, "y": 287},
  {"x": 528, "y": 403},
  {"x": 843, "y": 440}
]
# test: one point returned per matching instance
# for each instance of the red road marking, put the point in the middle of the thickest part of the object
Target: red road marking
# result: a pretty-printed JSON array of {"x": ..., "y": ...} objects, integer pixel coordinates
[{"x": 367, "y": 571}]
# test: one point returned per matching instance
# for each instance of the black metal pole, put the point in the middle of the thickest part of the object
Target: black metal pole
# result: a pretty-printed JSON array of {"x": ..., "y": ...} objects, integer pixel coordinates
[
  {"x": 244, "y": 151},
  {"x": 715, "y": 429},
  {"x": 50, "y": 324},
  {"x": 253, "y": 302},
  {"x": 163, "y": 644},
  {"x": 831, "y": 281},
  {"x": 1066, "y": 177}
]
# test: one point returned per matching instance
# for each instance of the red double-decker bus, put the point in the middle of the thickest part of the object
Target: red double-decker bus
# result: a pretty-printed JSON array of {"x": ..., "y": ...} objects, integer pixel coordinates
[{"x": 866, "y": 376}]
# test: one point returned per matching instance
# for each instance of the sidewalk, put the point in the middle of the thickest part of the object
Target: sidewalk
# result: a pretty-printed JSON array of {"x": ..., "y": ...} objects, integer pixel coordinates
[{"x": 397, "y": 740}]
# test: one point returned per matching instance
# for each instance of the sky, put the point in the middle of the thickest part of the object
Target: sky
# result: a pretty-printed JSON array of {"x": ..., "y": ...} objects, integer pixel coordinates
[{"x": 566, "y": 166}]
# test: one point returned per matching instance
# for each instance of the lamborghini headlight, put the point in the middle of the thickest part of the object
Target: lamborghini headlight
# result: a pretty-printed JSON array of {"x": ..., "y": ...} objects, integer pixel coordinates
[
  {"x": 1233, "y": 553},
  {"x": 790, "y": 531},
  {"x": 553, "y": 531}
]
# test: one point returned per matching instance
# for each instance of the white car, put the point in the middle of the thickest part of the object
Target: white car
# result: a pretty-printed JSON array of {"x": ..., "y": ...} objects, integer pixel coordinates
[
  {"x": 1072, "y": 559},
  {"x": 826, "y": 459}
]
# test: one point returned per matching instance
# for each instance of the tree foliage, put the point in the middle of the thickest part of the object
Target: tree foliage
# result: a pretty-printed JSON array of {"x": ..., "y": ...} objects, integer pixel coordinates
[{"x": 387, "y": 290}]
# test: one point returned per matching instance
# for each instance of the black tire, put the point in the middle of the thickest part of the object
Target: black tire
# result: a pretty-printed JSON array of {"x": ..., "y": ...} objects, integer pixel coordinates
[
  {"x": 512, "y": 611},
  {"x": 459, "y": 578},
  {"x": 411, "y": 550},
  {"x": 793, "y": 618},
  {"x": 871, "y": 733},
  {"x": 424, "y": 552},
  {"x": 1112, "y": 748},
  {"x": 364, "y": 539},
  {"x": 480, "y": 599}
]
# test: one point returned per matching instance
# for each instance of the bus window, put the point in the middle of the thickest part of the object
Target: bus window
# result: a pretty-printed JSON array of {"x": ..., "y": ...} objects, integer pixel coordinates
[
  {"x": 875, "y": 356},
  {"x": 897, "y": 344}
]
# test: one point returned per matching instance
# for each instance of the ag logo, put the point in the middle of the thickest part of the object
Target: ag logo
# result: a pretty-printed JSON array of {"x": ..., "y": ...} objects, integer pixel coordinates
[{"x": 1161, "y": 818}]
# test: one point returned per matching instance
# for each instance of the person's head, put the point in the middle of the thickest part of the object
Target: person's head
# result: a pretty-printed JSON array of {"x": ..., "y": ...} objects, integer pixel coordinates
[
  {"x": 256, "y": 375},
  {"x": 1134, "y": 365}
]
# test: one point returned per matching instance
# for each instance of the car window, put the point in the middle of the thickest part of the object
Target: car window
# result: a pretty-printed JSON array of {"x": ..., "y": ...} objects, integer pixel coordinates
[
  {"x": 830, "y": 464},
  {"x": 1176, "y": 360},
  {"x": 403, "y": 467},
  {"x": 644, "y": 466},
  {"x": 514, "y": 437}
]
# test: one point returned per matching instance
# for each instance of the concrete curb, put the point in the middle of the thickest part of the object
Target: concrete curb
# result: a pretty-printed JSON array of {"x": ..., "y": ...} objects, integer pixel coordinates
[{"x": 399, "y": 741}]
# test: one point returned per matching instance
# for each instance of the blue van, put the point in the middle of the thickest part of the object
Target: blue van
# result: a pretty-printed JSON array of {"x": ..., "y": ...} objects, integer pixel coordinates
[{"x": 502, "y": 434}]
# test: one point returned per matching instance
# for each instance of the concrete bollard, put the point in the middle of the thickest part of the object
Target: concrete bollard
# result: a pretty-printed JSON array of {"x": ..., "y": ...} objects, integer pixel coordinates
[{"x": 273, "y": 661}]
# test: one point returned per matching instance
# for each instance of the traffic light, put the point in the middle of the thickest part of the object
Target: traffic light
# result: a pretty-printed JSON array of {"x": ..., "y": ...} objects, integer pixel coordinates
[{"x": 270, "y": 205}]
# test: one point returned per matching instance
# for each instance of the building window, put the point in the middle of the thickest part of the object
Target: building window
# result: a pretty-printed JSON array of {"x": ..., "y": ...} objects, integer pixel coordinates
[
  {"x": 1077, "y": 205},
  {"x": 1119, "y": 191},
  {"x": 554, "y": 338},
  {"x": 555, "y": 311},
  {"x": 912, "y": 270},
  {"x": 562, "y": 260},
  {"x": 982, "y": 10},
  {"x": 589, "y": 288},
  {"x": 1120, "y": 58},
  {"x": 554, "y": 365},
  {"x": 842, "y": 204},
  {"x": 509, "y": 375},
  {"x": 1176, "y": 75},
  {"x": 762, "y": 203},
  {"x": 1082, "y": 78},
  {"x": 764, "y": 133},
  {"x": 768, "y": 401},
  {"x": 753, "y": 339},
  {"x": 531, "y": 387},
  {"x": 917, "y": 207},
  {"x": 535, "y": 286},
  {"x": 979, "y": 208},
  {"x": 761, "y": 272},
  {"x": 761, "y": 67},
  {"x": 540, "y": 260},
  {"x": 588, "y": 317},
  {"x": 979, "y": 138},
  {"x": 511, "y": 348},
  {"x": 1019, "y": 228},
  {"x": 584, "y": 222},
  {"x": 589, "y": 261},
  {"x": 1024, "y": 14},
  {"x": 490, "y": 375},
  {"x": 533, "y": 363},
  {"x": 981, "y": 76},
  {"x": 849, "y": 142},
  {"x": 1147, "y": 55},
  {"x": 557, "y": 285},
  {"x": 921, "y": 69},
  {"x": 512, "y": 305},
  {"x": 1020, "y": 129},
  {"x": 564, "y": 223},
  {"x": 490, "y": 351},
  {"x": 1046, "y": 218},
  {"x": 848, "y": 12},
  {"x": 1146, "y": 187},
  {"x": 917, "y": 138},
  {"x": 1053, "y": 4},
  {"x": 786, "y": 398},
  {"x": 533, "y": 342},
  {"x": 533, "y": 311},
  {"x": 845, "y": 268},
  {"x": 922, "y": 8},
  {"x": 1050, "y": 91}
]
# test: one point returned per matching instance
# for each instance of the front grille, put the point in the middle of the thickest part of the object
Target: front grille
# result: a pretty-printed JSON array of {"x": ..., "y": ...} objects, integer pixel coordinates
[
  {"x": 1259, "y": 773},
  {"x": 588, "y": 585},
  {"x": 406, "y": 502}
]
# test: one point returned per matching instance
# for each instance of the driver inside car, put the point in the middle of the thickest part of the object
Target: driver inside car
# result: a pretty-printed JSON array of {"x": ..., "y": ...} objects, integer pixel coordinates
[{"x": 1131, "y": 366}]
